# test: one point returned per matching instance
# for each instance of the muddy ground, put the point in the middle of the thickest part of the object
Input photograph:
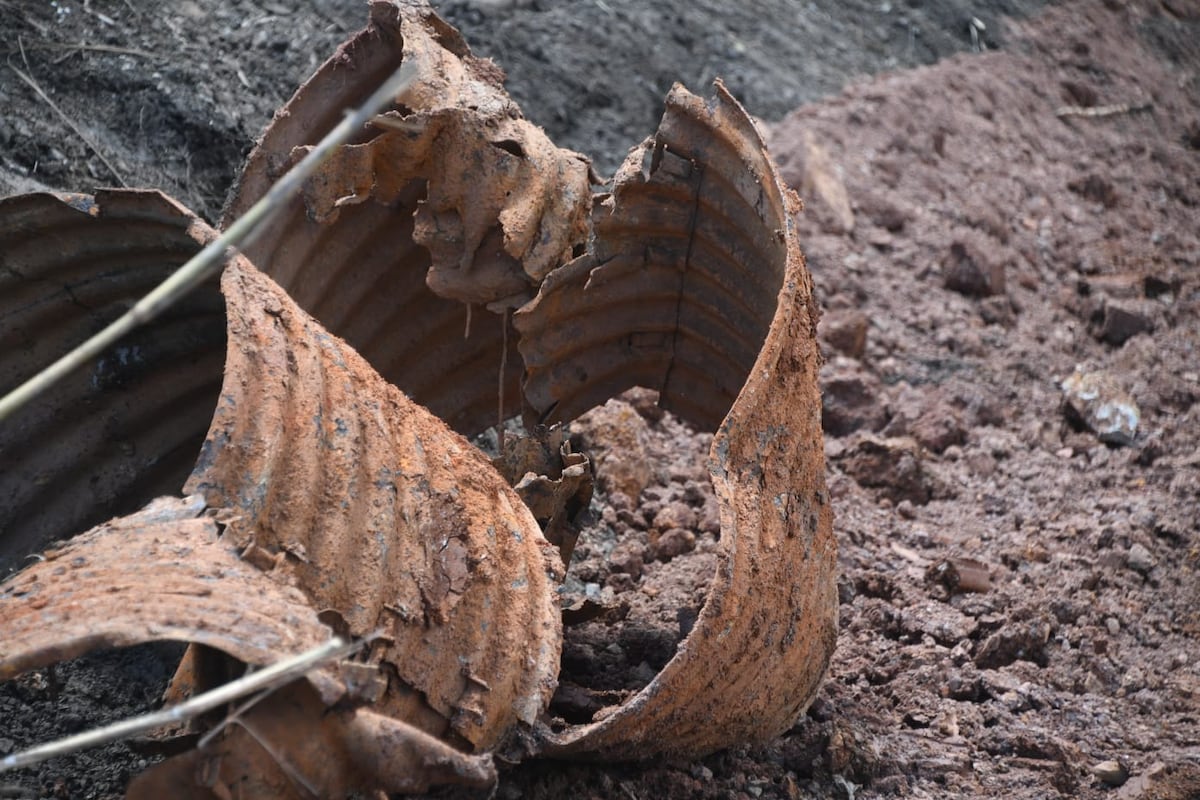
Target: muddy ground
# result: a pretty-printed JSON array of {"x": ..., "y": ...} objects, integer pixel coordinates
[{"x": 1019, "y": 589}]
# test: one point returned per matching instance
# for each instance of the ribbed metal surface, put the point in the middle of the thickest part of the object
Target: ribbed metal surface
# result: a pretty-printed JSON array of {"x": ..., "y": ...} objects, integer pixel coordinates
[
  {"x": 359, "y": 270},
  {"x": 680, "y": 286},
  {"x": 86, "y": 596},
  {"x": 697, "y": 286},
  {"x": 383, "y": 515},
  {"x": 126, "y": 428}
]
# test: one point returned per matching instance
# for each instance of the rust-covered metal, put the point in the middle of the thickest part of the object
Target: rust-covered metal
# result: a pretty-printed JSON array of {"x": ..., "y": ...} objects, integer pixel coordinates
[
  {"x": 451, "y": 202},
  {"x": 163, "y": 573},
  {"x": 384, "y": 517},
  {"x": 357, "y": 510},
  {"x": 126, "y": 428},
  {"x": 696, "y": 286},
  {"x": 150, "y": 576}
]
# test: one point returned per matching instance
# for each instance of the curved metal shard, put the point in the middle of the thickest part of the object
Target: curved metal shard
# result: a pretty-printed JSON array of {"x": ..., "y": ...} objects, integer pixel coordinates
[
  {"x": 451, "y": 203},
  {"x": 110, "y": 437},
  {"x": 696, "y": 286},
  {"x": 158, "y": 574},
  {"x": 384, "y": 518}
]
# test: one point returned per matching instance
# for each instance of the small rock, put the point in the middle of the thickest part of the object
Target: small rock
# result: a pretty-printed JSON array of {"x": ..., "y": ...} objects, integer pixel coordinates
[
  {"x": 851, "y": 399},
  {"x": 1093, "y": 400},
  {"x": 627, "y": 558},
  {"x": 845, "y": 330},
  {"x": 1096, "y": 189},
  {"x": 645, "y": 402},
  {"x": 1140, "y": 559},
  {"x": 1025, "y": 641},
  {"x": 998, "y": 310},
  {"x": 933, "y": 422},
  {"x": 1113, "y": 625},
  {"x": 883, "y": 212},
  {"x": 969, "y": 270},
  {"x": 1161, "y": 781},
  {"x": 675, "y": 515},
  {"x": 1120, "y": 322}
]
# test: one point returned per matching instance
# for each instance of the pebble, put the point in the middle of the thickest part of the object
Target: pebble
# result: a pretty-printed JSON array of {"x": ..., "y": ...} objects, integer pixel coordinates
[
  {"x": 845, "y": 330},
  {"x": 850, "y": 399},
  {"x": 1113, "y": 625},
  {"x": 1095, "y": 400},
  {"x": 1111, "y": 773},
  {"x": 674, "y": 542},
  {"x": 1140, "y": 559},
  {"x": 1121, "y": 322}
]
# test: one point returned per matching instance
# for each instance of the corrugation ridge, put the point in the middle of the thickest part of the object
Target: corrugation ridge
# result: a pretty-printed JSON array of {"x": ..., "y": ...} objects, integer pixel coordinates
[
  {"x": 769, "y": 622},
  {"x": 183, "y": 576},
  {"x": 50, "y": 491},
  {"x": 379, "y": 454}
]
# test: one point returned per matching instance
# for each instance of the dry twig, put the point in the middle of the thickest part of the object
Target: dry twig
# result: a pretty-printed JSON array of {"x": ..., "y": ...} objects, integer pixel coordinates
[{"x": 98, "y": 48}]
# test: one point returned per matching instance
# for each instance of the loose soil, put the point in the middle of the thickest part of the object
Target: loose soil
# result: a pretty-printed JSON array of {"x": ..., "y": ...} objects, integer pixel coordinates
[{"x": 1018, "y": 597}]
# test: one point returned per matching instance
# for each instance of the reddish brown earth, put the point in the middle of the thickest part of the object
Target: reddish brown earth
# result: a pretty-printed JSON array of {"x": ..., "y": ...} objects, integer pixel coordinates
[{"x": 1018, "y": 597}]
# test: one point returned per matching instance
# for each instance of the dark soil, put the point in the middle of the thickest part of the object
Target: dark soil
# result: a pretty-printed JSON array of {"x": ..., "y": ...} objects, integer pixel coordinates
[{"x": 1018, "y": 597}]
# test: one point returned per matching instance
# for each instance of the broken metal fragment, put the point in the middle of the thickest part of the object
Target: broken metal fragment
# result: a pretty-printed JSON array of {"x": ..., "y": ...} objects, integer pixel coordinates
[
  {"x": 127, "y": 428},
  {"x": 694, "y": 285},
  {"x": 449, "y": 203}
]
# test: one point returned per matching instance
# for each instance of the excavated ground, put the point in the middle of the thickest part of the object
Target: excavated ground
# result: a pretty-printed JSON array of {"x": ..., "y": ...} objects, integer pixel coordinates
[{"x": 1018, "y": 597}]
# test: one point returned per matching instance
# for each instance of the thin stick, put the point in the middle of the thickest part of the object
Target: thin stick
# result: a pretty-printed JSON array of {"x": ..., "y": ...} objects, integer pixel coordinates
[
  {"x": 70, "y": 123},
  {"x": 1102, "y": 111},
  {"x": 209, "y": 260},
  {"x": 274, "y": 676}
]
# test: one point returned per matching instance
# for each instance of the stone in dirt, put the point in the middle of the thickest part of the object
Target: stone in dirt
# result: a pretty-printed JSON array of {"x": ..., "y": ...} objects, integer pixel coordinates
[
  {"x": 894, "y": 466},
  {"x": 969, "y": 269},
  {"x": 1094, "y": 400}
]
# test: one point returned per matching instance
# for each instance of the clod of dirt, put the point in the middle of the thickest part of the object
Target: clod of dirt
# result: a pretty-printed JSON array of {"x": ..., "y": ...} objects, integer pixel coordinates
[
  {"x": 851, "y": 399},
  {"x": 971, "y": 270},
  {"x": 1120, "y": 320},
  {"x": 615, "y": 435},
  {"x": 845, "y": 331},
  {"x": 894, "y": 466}
]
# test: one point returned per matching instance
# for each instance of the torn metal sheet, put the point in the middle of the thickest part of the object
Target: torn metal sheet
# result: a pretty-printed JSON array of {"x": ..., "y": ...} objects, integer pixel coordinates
[
  {"x": 158, "y": 574},
  {"x": 186, "y": 583},
  {"x": 451, "y": 202},
  {"x": 294, "y": 746},
  {"x": 695, "y": 255},
  {"x": 555, "y": 483},
  {"x": 384, "y": 517},
  {"x": 127, "y": 428}
]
